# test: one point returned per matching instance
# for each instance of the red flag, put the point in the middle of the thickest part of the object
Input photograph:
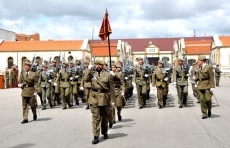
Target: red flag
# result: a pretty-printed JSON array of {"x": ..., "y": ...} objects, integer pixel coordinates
[{"x": 105, "y": 29}]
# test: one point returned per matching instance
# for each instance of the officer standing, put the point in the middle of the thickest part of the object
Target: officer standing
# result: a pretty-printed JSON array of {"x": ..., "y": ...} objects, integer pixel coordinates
[
  {"x": 159, "y": 80},
  {"x": 217, "y": 75},
  {"x": 140, "y": 80},
  {"x": 28, "y": 82},
  {"x": 86, "y": 82},
  {"x": 45, "y": 84},
  {"x": 99, "y": 99},
  {"x": 206, "y": 85},
  {"x": 180, "y": 80}
]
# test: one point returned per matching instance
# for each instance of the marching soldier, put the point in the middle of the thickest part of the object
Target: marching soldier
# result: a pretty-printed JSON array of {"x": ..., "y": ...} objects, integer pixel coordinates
[
  {"x": 54, "y": 89},
  {"x": 140, "y": 80},
  {"x": 160, "y": 80},
  {"x": 11, "y": 77},
  {"x": 80, "y": 72},
  {"x": 192, "y": 77},
  {"x": 86, "y": 83},
  {"x": 63, "y": 80},
  {"x": 217, "y": 75},
  {"x": 6, "y": 78},
  {"x": 180, "y": 80},
  {"x": 99, "y": 99},
  {"x": 206, "y": 85},
  {"x": 45, "y": 84},
  {"x": 73, "y": 84},
  {"x": 28, "y": 82},
  {"x": 36, "y": 69}
]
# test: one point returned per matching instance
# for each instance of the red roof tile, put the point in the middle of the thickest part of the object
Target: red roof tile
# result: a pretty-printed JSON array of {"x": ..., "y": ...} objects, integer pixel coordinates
[{"x": 225, "y": 40}]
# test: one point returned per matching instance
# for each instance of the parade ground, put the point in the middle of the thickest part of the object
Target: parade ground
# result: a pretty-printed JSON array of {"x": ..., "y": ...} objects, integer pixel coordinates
[{"x": 170, "y": 127}]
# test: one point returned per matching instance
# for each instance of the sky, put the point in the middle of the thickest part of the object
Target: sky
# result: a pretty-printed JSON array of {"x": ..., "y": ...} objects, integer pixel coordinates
[{"x": 81, "y": 19}]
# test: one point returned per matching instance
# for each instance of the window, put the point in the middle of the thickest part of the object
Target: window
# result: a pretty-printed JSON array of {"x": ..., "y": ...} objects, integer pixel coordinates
[
  {"x": 10, "y": 62},
  {"x": 191, "y": 61},
  {"x": 70, "y": 58},
  {"x": 23, "y": 61}
]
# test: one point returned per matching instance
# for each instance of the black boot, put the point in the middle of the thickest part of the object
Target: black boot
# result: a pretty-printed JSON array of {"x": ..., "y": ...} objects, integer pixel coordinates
[
  {"x": 24, "y": 121},
  {"x": 95, "y": 140},
  {"x": 106, "y": 136}
]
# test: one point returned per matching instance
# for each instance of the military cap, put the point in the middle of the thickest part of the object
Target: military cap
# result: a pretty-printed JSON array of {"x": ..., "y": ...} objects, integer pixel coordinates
[
  {"x": 139, "y": 58},
  {"x": 201, "y": 57},
  {"x": 160, "y": 61},
  {"x": 37, "y": 61},
  {"x": 44, "y": 65},
  {"x": 119, "y": 62},
  {"x": 71, "y": 62},
  {"x": 194, "y": 63},
  {"x": 45, "y": 61},
  {"x": 99, "y": 62},
  {"x": 27, "y": 60},
  {"x": 27, "y": 63},
  {"x": 64, "y": 62},
  {"x": 54, "y": 61},
  {"x": 114, "y": 65},
  {"x": 118, "y": 65},
  {"x": 86, "y": 62},
  {"x": 180, "y": 60},
  {"x": 77, "y": 60}
]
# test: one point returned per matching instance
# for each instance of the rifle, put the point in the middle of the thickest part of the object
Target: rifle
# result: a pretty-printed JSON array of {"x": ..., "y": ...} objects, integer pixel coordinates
[
  {"x": 58, "y": 66},
  {"x": 167, "y": 67},
  {"x": 185, "y": 65},
  {"x": 33, "y": 68},
  {"x": 40, "y": 64},
  {"x": 48, "y": 72}
]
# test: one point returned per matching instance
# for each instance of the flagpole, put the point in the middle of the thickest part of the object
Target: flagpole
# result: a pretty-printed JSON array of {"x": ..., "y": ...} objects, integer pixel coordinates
[{"x": 110, "y": 61}]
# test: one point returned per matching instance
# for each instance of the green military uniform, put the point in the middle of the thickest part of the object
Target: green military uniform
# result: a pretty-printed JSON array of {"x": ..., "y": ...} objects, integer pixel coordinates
[
  {"x": 192, "y": 77},
  {"x": 28, "y": 82},
  {"x": 11, "y": 77},
  {"x": 159, "y": 81},
  {"x": 99, "y": 99},
  {"x": 63, "y": 80},
  {"x": 141, "y": 80},
  {"x": 205, "y": 80},
  {"x": 54, "y": 89},
  {"x": 74, "y": 90},
  {"x": 180, "y": 78},
  {"x": 80, "y": 75},
  {"x": 6, "y": 78},
  {"x": 86, "y": 84},
  {"x": 45, "y": 84},
  {"x": 217, "y": 75}
]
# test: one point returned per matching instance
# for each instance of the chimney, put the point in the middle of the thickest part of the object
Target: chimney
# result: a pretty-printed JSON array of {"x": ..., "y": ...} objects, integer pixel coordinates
[{"x": 150, "y": 42}]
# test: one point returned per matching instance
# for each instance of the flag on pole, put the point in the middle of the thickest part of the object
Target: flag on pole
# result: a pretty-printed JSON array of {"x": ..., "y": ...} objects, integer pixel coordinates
[{"x": 105, "y": 29}]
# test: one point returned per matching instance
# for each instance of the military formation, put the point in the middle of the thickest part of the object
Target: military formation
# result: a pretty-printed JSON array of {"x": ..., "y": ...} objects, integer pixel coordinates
[{"x": 105, "y": 89}]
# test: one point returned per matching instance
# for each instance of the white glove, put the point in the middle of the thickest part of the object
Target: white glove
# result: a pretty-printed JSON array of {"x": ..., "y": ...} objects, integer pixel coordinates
[
  {"x": 112, "y": 103},
  {"x": 35, "y": 93},
  {"x": 131, "y": 76},
  {"x": 81, "y": 88},
  {"x": 51, "y": 70},
  {"x": 71, "y": 78},
  {"x": 134, "y": 84},
  {"x": 57, "y": 74},
  {"x": 166, "y": 79},
  {"x": 112, "y": 73},
  {"x": 188, "y": 74},
  {"x": 126, "y": 78},
  {"x": 122, "y": 93},
  {"x": 211, "y": 90},
  {"x": 55, "y": 84},
  {"x": 146, "y": 75},
  {"x": 154, "y": 88},
  {"x": 50, "y": 81},
  {"x": 20, "y": 85},
  {"x": 194, "y": 78},
  {"x": 77, "y": 76},
  {"x": 195, "y": 85}
]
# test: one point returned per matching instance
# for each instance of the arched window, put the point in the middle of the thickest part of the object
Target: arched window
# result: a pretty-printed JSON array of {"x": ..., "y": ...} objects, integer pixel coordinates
[
  {"x": 23, "y": 61},
  {"x": 191, "y": 61},
  {"x": 70, "y": 58},
  {"x": 10, "y": 62}
]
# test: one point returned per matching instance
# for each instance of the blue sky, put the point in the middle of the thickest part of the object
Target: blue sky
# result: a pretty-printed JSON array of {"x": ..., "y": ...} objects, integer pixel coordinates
[{"x": 59, "y": 19}]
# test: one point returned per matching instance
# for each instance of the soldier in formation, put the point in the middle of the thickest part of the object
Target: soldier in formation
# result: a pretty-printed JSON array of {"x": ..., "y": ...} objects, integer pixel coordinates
[
  {"x": 206, "y": 86},
  {"x": 217, "y": 75}
]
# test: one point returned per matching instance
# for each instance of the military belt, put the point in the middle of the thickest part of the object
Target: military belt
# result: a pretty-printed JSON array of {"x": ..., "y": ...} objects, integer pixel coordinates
[
  {"x": 182, "y": 77},
  {"x": 203, "y": 79},
  {"x": 100, "y": 90},
  {"x": 64, "y": 80},
  {"x": 28, "y": 85},
  {"x": 44, "y": 81}
]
